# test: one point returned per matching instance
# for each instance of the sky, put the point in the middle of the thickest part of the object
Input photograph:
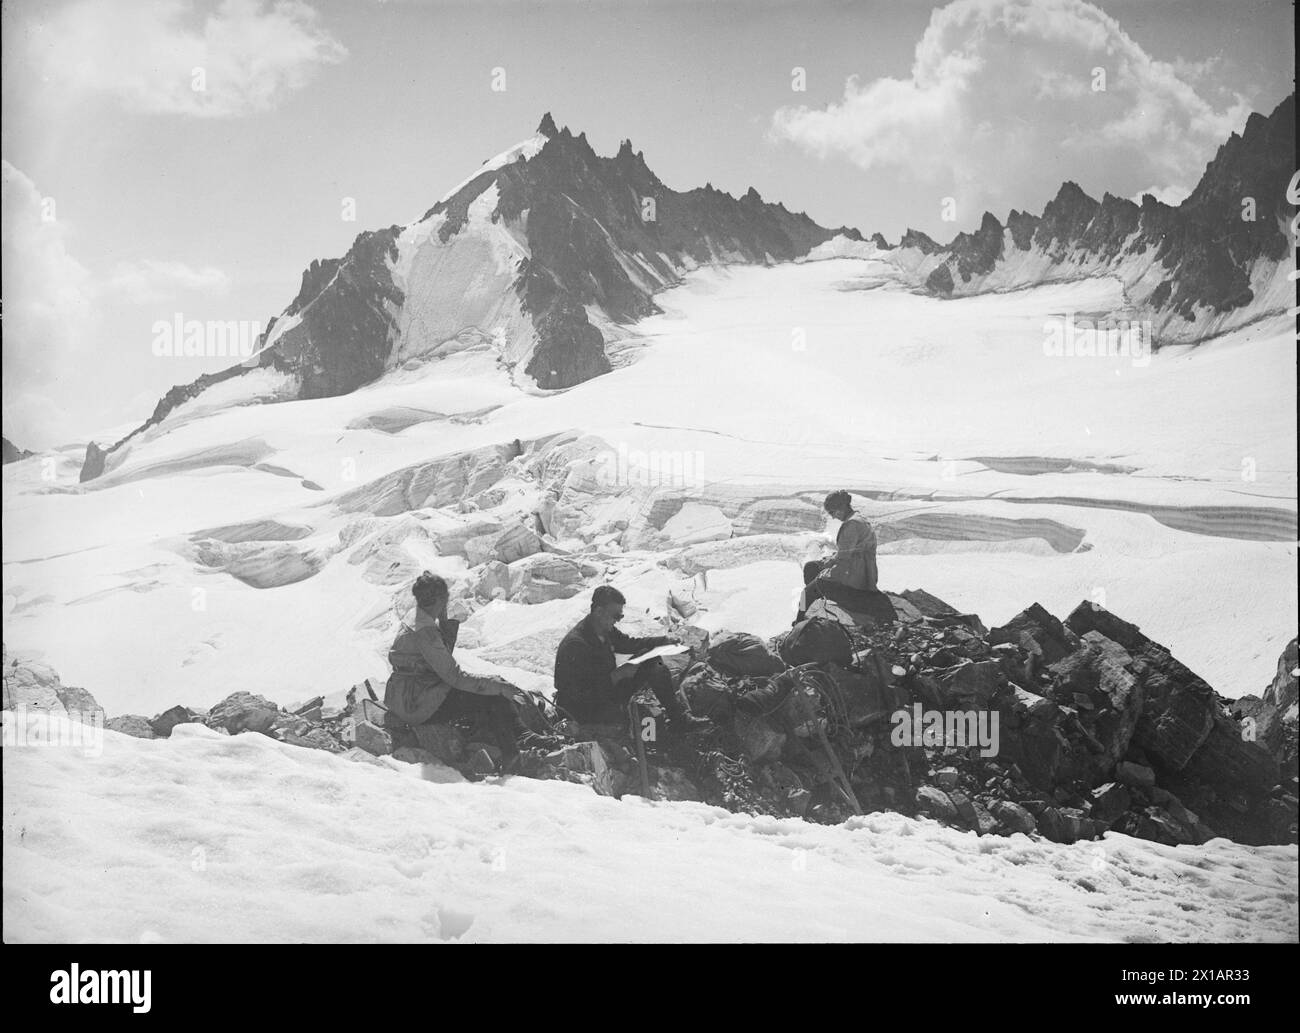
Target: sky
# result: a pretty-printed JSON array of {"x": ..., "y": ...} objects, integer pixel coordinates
[{"x": 194, "y": 156}]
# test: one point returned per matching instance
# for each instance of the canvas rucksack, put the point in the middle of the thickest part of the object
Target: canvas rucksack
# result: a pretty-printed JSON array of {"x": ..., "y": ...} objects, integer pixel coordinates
[
  {"x": 740, "y": 653},
  {"x": 816, "y": 640}
]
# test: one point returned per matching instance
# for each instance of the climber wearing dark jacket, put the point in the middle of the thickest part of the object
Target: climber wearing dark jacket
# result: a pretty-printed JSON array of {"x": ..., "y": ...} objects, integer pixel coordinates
[
  {"x": 590, "y": 686},
  {"x": 428, "y": 683}
]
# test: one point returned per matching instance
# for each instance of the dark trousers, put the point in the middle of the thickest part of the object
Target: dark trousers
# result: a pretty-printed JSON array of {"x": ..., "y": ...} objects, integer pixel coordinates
[
  {"x": 855, "y": 600},
  {"x": 611, "y": 708},
  {"x": 492, "y": 718}
]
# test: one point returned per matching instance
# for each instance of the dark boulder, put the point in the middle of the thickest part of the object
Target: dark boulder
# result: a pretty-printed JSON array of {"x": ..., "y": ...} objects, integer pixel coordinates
[
  {"x": 1178, "y": 708},
  {"x": 1036, "y": 632},
  {"x": 163, "y": 724}
]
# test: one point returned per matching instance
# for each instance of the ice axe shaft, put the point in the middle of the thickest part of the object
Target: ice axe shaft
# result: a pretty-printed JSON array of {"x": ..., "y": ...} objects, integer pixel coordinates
[
  {"x": 842, "y": 780},
  {"x": 634, "y": 713}
]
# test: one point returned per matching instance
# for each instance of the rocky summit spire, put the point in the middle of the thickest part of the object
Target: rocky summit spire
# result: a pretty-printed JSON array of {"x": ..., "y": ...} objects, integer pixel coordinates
[{"x": 547, "y": 126}]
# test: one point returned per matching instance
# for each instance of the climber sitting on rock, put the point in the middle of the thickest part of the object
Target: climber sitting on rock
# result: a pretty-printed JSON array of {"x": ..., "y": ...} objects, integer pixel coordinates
[
  {"x": 590, "y": 686},
  {"x": 428, "y": 683},
  {"x": 849, "y": 577}
]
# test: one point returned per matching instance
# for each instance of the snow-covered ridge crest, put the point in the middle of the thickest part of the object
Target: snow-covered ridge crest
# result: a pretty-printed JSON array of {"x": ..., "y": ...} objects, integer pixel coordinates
[{"x": 526, "y": 149}]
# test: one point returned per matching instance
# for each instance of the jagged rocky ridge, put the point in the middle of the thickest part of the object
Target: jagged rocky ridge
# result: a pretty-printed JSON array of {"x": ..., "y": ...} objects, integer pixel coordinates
[
  {"x": 586, "y": 247},
  {"x": 1187, "y": 268},
  {"x": 602, "y": 234}
]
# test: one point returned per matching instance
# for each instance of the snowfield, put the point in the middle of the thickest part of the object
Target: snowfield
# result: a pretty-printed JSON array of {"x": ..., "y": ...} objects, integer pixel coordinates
[
  {"x": 998, "y": 476},
  {"x": 270, "y": 548},
  {"x": 206, "y": 837}
]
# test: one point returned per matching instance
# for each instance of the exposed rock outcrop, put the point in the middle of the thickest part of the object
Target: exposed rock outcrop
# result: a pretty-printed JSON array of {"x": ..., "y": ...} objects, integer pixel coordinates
[
  {"x": 600, "y": 232},
  {"x": 1186, "y": 268},
  {"x": 11, "y": 453}
]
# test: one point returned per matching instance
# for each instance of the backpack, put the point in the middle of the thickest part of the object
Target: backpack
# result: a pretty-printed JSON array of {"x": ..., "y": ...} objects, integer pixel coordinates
[
  {"x": 743, "y": 654},
  {"x": 816, "y": 640}
]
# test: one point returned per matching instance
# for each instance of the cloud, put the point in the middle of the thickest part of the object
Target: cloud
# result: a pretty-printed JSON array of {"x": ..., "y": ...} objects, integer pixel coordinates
[
  {"x": 150, "y": 280},
  {"x": 1004, "y": 101},
  {"x": 152, "y": 55},
  {"x": 1172, "y": 195},
  {"x": 51, "y": 310},
  {"x": 48, "y": 304}
]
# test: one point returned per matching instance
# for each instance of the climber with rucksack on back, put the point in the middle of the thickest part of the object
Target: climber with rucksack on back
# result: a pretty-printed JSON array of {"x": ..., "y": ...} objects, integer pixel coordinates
[{"x": 849, "y": 577}]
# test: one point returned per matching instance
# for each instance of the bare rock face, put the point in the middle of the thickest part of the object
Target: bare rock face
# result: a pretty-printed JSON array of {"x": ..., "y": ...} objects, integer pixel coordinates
[
  {"x": 371, "y": 738},
  {"x": 243, "y": 712},
  {"x": 1226, "y": 757},
  {"x": 940, "y": 280},
  {"x": 346, "y": 323},
  {"x": 1283, "y": 691},
  {"x": 1099, "y": 679},
  {"x": 587, "y": 215},
  {"x": 1206, "y": 248},
  {"x": 1038, "y": 632},
  {"x": 1272, "y": 720},
  {"x": 1013, "y": 817},
  {"x": 920, "y": 241},
  {"x": 11, "y": 453},
  {"x": 978, "y": 252},
  {"x": 164, "y": 723},
  {"x": 936, "y": 803},
  {"x": 1187, "y": 731},
  {"x": 600, "y": 232},
  {"x": 1038, "y": 737},
  {"x": 135, "y": 725},
  {"x": 1179, "y": 707},
  {"x": 93, "y": 465}
]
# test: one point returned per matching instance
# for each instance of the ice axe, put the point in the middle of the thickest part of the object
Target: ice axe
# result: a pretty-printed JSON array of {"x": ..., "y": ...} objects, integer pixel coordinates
[
  {"x": 841, "y": 780},
  {"x": 634, "y": 715}
]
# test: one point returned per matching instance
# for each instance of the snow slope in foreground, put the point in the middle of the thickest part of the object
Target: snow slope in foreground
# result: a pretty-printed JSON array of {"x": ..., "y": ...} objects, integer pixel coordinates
[
  {"x": 780, "y": 381},
  {"x": 207, "y": 837}
]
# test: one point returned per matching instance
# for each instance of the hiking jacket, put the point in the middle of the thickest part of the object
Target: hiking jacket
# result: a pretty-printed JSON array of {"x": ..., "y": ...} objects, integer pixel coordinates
[
  {"x": 855, "y": 555},
  {"x": 424, "y": 671},
  {"x": 584, "y": 665}
]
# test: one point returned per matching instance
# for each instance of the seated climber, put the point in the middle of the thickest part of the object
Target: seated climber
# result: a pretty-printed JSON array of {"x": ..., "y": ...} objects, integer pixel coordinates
[
  {"x": 848, "y": 577},
  {"x": 427, "y": 682},
  {"x": 590, "y": 686}
]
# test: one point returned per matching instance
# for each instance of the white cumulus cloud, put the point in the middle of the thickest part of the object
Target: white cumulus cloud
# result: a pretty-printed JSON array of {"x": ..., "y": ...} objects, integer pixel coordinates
[
  {"x": 1007, "y": 98},
  {"x": 53, "y": 310},
  {"x": 153, "y": 280},
  {"x": 237, "y": 57},
  {"x": 48, "y": 298}
]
